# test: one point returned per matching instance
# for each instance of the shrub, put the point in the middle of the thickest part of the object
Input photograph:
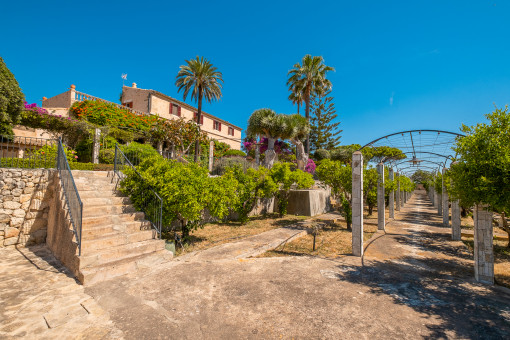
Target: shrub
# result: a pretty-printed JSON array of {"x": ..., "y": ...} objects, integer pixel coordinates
[
  {"x": 321, "y": 154},
  {"x": 232, "y": 152},
  {"x": 91, "y": 166},
  {"x": 51, "y": 151},
  {"x": 136, "y": 152},
  {"x": 287, "y": 179},
  {"x": 11, "y": 100},
  {"x": 186, "y": 190},
  {"x": 254, "y": 184},
  {"x": 222, "y": 164}
]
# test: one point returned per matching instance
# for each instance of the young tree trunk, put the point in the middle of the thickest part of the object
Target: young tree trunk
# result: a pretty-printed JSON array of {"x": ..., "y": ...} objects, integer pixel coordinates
[
  {"x": 301, "y": 155},
  {"x": 307, "y": 114},
  {"x": 199, "y": 115},
  {"x": 505, "y": 227},
  {"x": 370, "y": 209},
  {"x": 270, "y": 154},
  {"x": 257, "y": 153}
]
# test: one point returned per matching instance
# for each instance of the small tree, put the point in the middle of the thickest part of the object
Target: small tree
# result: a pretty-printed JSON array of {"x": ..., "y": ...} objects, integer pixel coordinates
[
  {"x": 297, "y": 129},
  {"x": 481, "y": 174},
  {"x": 11, "y": 100},
  {"x": 287, "y": 180},
  {"x": 324, "y": 133},
  {"x": 370, "y": 177},
  {"x": 339, "y": 177}
]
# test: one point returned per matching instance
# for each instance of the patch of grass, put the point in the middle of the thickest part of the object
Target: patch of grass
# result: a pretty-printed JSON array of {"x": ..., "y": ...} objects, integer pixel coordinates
[
  {"x": 332, "y": 240},
  {"x": 501, "y": 260},
  {"x": 213, "y": 234}
]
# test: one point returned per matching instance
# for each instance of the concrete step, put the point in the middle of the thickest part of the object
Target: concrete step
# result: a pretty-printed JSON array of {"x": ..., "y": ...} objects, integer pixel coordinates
[
  {"x": 123, "y": 266},
  {"x": 116, "y": 253},
  {"x": 91, "y": 232},
  {"x": 112, "y": 219},
  {"x": 91, "y": 174},
  {"x": 101, "y": 210},
  {"x": 103, "y": 201},
  {"x": 115, "y": 239}
]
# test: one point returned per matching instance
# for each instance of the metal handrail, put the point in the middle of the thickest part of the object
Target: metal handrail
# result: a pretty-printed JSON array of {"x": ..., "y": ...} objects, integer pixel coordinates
[
  {"x": 71, "y": 195},
  {"x": 151, "y": 204}
]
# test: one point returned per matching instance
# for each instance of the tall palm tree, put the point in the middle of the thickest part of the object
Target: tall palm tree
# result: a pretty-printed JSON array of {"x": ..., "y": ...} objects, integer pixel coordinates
[
  {"x": 309, "y": 76},
  {"x": 296, "y": 97},
  {"x": 204, "y": 81},
  {"x": 266, "y": 122}
]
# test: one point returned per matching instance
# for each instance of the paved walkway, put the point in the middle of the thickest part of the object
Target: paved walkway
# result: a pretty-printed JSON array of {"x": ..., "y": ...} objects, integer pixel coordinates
[
  {"x": 39, "y": 299},
  {"x": 413, "y": 282}
]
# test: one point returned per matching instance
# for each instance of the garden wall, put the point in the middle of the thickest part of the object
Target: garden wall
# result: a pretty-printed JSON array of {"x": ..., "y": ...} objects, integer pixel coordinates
[{"x": 24, "y": 205}]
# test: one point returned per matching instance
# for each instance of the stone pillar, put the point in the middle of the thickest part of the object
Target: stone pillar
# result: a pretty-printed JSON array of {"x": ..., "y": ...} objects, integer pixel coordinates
[
  {"x": 397, "y": 194},
  {"x": 391, "y": 201},
  {"x": 95, "y": 146},
  {"x": 402, "y": 199},
  {"x": 257, "y": 154},
  {"x": 211, "y": 155},
  {"x": 172, "y": 151},
  {"x": 381, "y": 211},
  {"x": 439, "y": 204},
  {"x": 160, "y": 148},
  {"x": 357, "y": 204},
  {"x": 484, "y": 254},
  {"x": 446, "y": 203},
  {"x": 431, "y": 195},
  {"x": 456, "y": 229}
]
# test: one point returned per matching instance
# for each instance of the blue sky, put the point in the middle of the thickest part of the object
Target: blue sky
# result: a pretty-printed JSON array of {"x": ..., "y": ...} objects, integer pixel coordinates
[{"x": 399, "y": 64}]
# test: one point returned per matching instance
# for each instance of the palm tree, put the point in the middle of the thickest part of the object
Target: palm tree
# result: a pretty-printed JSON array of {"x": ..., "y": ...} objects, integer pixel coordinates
[
  {"x": 298, "y": 129},
  {"x": 266, "y": 122},
  {"x": 204, "y": 81},
  {"x": 296, "y": 97},
  {"x": 309, "y": 76}
]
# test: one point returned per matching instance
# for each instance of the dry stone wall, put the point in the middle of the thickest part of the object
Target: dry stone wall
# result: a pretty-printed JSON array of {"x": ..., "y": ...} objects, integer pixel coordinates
[{"x": 24, "y": 205}]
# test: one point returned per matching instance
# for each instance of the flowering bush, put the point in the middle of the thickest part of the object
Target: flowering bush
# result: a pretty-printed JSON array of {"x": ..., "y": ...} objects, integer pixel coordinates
[
  {"x": 310, "y": 166},
  {"x": 101, "y": 113},
  {"x": 49, "y": 152}
]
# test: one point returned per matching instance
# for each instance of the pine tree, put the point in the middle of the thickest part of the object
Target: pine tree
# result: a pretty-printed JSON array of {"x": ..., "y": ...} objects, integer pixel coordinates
[
  {"x": 324, "y": 133},
  {"x": 11, "y": 100}
]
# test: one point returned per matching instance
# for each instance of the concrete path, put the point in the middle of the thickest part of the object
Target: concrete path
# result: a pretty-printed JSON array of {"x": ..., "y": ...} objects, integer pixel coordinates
[
  {"x": 39, "y": 299},
  {"x": 412, "y": 283}
]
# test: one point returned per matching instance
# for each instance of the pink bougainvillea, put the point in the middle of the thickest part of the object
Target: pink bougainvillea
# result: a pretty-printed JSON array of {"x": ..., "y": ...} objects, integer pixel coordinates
[{"x": 310, "y": 166}]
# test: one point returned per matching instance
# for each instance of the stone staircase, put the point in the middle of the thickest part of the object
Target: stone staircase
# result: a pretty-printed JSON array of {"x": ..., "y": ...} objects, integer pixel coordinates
[{"x": 116, "y": 239}]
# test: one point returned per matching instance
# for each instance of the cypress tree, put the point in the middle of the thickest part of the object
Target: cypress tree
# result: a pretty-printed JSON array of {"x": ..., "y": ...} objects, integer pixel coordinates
[
  {"x": 324, "y": 133},
  {"x": 11, "y": 100}
]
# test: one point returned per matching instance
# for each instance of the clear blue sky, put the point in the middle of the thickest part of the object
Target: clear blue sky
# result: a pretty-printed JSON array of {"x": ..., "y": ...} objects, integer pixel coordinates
[{"x": 399, "y": 64}]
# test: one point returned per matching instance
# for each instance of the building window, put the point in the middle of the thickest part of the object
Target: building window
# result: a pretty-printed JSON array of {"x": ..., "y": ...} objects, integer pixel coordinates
[
  {"x": 195, "y": 114},
  {"x": 230, "y": 131},
  {"x": 216, "y": 125},
  {"x": 175, "y": 110},
  {"x": 130, "y": 105}
]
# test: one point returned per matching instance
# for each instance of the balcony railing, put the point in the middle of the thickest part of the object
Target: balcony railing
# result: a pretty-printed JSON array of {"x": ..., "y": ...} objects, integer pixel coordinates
[{"x": 80, "y": 96}]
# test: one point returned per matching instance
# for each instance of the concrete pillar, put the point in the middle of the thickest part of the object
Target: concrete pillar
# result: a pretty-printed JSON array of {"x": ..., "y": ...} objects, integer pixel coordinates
[
  {"x": 431, "y": 195},
  {"x": 381, "y": 218},
  {"x": 357, "y": 204},
  {"x": 446, "y": 203},
  {"x": 95, "y": 146},
  {"x": 484, "y": 254},
  {"x": 439, "y": 204},
  {"x": 456, "y": 229},
  {"x": 172, "y": 151},
  {"x": 402, "y": 199},
  {"x": 397, "y": 194},
  {"x": 211, "y": 155},
  {"x": 160, "y": 148},
  {"x": 391, "y": 201}
]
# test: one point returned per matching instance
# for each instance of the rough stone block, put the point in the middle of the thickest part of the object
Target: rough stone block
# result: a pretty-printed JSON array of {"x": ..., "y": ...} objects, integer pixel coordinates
[
  {"x": 18, "y": 213},
  {"x": 28, "y": 190},
  {"x": 11, "y": 232},
  {"x": 16, "y": 221},
  {"x": 17, "y": 192},
  {"x": 4, "y": 218},
  {"x": 12, "y": 205}
]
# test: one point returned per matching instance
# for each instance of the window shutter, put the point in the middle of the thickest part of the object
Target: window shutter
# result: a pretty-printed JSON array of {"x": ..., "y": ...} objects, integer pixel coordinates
[
  {"x": 171, "y": 110},
  {"x": 201, "y": 119},
  {"x": 220, "y": 126},
  {"x": 178, "y": 111}
]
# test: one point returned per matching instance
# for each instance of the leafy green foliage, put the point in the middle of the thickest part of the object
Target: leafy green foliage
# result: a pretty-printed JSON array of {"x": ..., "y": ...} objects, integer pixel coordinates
[
  {"x": 222, "y": 164},
  {"x": 481, "y": 174},
  {"x": 254, "y": 185},
  {"x": 321, "y": 154},
  {"x": 11, "y": 100},
  {"x": 324, "y": 133},
  {"x": 287, "y": 179},
  {"x": 234, "y": 153},
  {"x": 370, "y": 177}
]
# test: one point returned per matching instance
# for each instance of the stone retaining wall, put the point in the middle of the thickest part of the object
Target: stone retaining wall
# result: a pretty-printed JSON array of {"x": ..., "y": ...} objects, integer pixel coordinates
[{"x": 24, "y": 205}]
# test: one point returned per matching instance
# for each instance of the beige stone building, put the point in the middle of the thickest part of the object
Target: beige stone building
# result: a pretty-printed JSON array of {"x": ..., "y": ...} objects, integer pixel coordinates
[
  {"x": 157, "y": 103},
  {"x": 143, "y": 102}
]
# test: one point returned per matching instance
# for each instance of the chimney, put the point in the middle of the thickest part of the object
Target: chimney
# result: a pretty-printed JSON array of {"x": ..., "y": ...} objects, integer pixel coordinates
[
  {"x": 72, "y": 87},
  {"x": 134, "y": 85},
  {"x": 44, "y": 98}
]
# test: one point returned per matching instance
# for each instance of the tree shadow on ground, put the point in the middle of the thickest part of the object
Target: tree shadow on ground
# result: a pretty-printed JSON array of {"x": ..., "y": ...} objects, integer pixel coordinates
[{"x": 470, "y": 310}]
